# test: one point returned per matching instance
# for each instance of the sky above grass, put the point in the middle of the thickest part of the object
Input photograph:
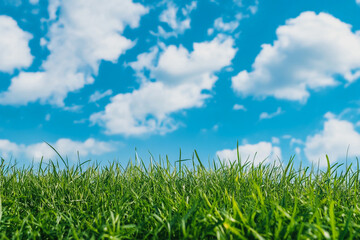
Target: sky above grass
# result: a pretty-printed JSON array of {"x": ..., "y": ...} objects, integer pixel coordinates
[{"x": 103, "y": 78}]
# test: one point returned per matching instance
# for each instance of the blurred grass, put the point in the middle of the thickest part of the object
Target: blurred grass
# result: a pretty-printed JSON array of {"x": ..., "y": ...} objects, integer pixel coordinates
[{"x": 184, "y": 200}]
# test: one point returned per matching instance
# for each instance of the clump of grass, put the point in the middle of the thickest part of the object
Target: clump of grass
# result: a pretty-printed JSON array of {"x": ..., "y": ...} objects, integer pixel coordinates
[{"x": 184, "y": 200}]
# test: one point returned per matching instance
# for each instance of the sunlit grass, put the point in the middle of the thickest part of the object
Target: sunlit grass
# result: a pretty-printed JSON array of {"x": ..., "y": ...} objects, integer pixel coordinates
[{"x": 184, "y": 200}]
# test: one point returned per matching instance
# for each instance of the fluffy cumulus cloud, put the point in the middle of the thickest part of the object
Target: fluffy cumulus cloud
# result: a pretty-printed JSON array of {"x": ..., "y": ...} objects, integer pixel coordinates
[
  {"x": 257, "y": 153},
  {"x": 334, "y": 140},
  {"x": 177, "y": 80},
  {"x": 8, "y": 148},
  {"x": 65, "y": 146},
  {"x": 309, "y": 52},
  {"x": 14, "y": 46},
  {"x": 177, "y": 20},
  {"x": 85, "y": 33}
]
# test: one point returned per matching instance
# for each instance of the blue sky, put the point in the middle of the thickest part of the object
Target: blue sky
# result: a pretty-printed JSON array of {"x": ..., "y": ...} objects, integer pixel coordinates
[{"x": 104, "y": 78}]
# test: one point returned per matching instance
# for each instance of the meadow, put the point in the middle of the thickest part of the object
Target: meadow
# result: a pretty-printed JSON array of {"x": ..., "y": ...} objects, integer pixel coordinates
[{"x": 188, "y": 199}]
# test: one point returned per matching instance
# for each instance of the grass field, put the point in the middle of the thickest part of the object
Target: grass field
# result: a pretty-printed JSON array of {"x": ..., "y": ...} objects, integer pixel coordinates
[{"x": 183, "y": 200}]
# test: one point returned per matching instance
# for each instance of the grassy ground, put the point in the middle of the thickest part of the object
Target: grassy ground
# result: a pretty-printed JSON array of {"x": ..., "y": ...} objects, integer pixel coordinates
[{"x": 179, "y": 201}]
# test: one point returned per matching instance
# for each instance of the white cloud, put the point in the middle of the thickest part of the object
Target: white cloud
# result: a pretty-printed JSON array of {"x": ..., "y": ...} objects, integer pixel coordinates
[
  {"x": 53, "y": 7},
  {"x": 309, "y": 52},
  {"x": 329, "y": 115},
  {"x": 254, "y": 8},
  {"x": 14, "y": 46},
  {"x": 189, "y": 8},
  {"x": 226, "y": 27},
  {"x": 65, "y": 146},
  {"x": 34, "y": 2},
  {"x": 296, "y": 141},
  {"x": 265, "y": 115},
  {"x": 215, "y": 128},
  {"x": 15, "y": 3},
  {"x": 220, "y": 25},
  {"x": 47, "y": 117},
  {"x": 286, "y": 136},
  {"x": 239, "y": 107},
  {"x": 145, "y": 61},
  {"x": 357, "y": 124},
  {"x": 275, "y": 140},
  {"x": 8, "y": 149},
  {"x": 263, "y": 150},
  {"x": 85, "y": 33},
  {"x": 358, "y": 2},
  {"x": 171, "y": 18},
  {"x": 43, "y": 42},
  {"x": 73, "y": 108},
  {"x": 210, "y": 31},
  {"x": 334, "y": 141},
  {"x": 239, "y": 3},
  {"x": 96, "y": 96},
  {"x": 68, "y": 147},
  {"x": 181, "y": 78},
  {"x": 80, "y": 121}
]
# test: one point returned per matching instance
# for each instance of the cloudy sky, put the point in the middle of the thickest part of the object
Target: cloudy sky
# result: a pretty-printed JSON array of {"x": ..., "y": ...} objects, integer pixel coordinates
[{"x": 105, "y": 77}]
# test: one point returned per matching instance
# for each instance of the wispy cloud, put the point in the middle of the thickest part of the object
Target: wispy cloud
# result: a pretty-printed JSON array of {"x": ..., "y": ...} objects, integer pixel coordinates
[
  {"x": 265, "y": 115},
  {"x": 171, "y": 17},
  {"x": 239, "y": 107},
  {"x": 357, "y": 124},
  {"x": 96, "y": 96},
  {"x": 275, "y": 140},
  {"x": 254, "y": 8}
]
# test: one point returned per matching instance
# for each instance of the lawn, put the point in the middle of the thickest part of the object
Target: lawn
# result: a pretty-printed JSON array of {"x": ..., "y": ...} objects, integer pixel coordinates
[{"x": 186, "y": 199}]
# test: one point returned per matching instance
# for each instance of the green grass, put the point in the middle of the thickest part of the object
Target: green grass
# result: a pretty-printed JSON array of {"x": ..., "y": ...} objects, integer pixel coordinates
[{"x": 184, "y": 200}]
